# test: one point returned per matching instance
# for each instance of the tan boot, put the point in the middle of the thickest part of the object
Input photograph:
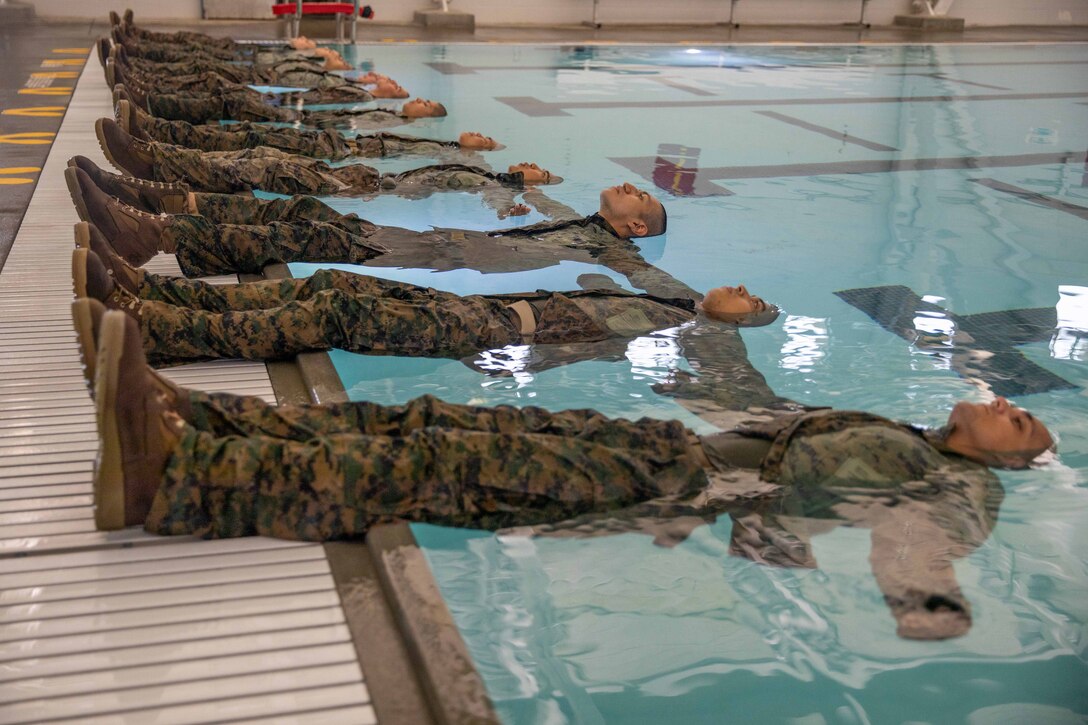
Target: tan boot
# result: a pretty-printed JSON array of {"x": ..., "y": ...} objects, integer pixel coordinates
[
  {"x": 134, "y": 235},
  {"x": 120, "y": 272},
  {"x": 91, "y": 279},
  {"x": 137, "y": 430},
  {"x": 87, "y": 319},
  {"x": 155, "y": 197},
  {"x": 123, "y": 151}
]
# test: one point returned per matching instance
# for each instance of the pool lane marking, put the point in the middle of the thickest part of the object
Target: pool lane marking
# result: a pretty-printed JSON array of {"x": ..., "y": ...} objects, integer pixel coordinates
[
  {"x": 1041, "y": 199},
  {"x": 943, "y": 77},
  {"x": 56, "y": 74},
  {"x": 34, "y": 111},
  {"x": 55, "y": 62},
  {"x": 11, "y": 181},
  {"x": 825, "y": 131},
  {"x": 449, "y": 68},
  {"x": 72, "y": 51},
  {"x": 531, "y": 106},
  {"x": 28, "y": 138},
  {"x": 679, "y": 86},
  {"x": 47, "y": 91},
  {"x": 648, "y": 166}
]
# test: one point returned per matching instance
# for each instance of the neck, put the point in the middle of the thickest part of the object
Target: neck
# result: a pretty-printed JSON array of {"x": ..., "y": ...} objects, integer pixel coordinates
[{"x": 617, "y": 228}]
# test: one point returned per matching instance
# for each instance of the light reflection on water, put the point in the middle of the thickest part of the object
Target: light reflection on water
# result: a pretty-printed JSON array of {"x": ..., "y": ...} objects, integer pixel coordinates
[{"x": 619, "y": 629}]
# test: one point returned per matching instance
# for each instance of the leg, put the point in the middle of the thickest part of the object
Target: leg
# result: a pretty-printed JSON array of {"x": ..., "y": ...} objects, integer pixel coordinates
[
  {"x": 442, "y": 325},
  {"x": 247, "y": 209},
  {"x": 262, "y": 295},
  {"x": 340, "y": 485},
  {"x": 204, "y": 248},
  {"x": 223, "y": 414},
  {"x": 156, "y": 468}
]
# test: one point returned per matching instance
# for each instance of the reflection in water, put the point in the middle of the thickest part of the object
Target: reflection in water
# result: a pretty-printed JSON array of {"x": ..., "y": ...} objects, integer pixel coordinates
[
  {"x": 1070, "y": 340},
  {"x": 807, "y": 343}
]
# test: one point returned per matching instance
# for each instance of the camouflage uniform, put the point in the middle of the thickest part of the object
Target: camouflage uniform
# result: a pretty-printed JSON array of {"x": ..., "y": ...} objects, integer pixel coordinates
[
  {"x": 925, "y": 508},
  {"x": 205, "y": 248},
  {"x": 259, "y": 168},
  {"x": 183, "y": 320},
  {"x": 277, "y": 171},
  {"x": 205, "y": 108},
  {"x": 323, "y": 144},
  {"x": 183, "y": 37},
  {"x": 314, "y": 473},
  {"x": 291, "y": 72},
  {"x": 210, "y": 84}
]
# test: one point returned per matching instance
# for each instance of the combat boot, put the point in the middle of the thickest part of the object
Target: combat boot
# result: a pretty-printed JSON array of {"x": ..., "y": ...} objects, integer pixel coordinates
[
  {"x": 123, "y": 151},
  {"x": 128, "y": 117},
  {"x": 121, "y": 272},
  {"x": 92, "y": 280},
  {"x": 155, "y": 197},
  {"x": 134, "y": 235},
  {"x": 137, "y": 429},
  {"x": 87, "y": 319}
]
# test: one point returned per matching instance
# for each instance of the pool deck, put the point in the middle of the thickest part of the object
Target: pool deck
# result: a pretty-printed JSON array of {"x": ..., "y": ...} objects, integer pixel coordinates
[
  {"x": 129, "y": 627},
  {"x": 189, "y": 630}
]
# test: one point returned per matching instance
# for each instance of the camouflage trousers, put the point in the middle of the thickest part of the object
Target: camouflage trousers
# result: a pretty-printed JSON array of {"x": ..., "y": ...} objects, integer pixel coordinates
[
  {"x": 315, "y": 473},
  {"x": 248, "y": 209},
  {"x": 204, "y": 248},
  {"x": 179, "y": 52},
  {"x": 206, "y": 108},
  {"x": 212, "y": 84},
  {"x": 183, "y": 320},
  {"x": 260, "y": 168},
  {"x": 326, "y": 144}
]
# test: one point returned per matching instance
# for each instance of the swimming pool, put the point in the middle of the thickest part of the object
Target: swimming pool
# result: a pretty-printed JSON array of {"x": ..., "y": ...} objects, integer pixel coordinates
[{"x": 802, "y": 172}]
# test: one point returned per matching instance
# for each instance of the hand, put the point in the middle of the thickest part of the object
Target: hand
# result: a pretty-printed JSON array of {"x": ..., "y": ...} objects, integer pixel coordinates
[{"x": 515, "y": 210}]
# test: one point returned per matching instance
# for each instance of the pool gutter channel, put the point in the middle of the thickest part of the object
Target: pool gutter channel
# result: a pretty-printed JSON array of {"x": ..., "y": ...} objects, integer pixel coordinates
[{"x": 415, "y": 663}]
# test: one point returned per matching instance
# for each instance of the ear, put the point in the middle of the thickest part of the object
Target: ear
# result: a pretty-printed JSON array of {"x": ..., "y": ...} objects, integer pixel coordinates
[{"x": 637, "y": 228}]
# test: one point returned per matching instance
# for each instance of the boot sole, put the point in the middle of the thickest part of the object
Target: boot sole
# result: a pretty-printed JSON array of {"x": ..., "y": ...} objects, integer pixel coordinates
[
  {"x": 81, "y": 321},
  {"x": 109, "y": 475},
  {"x": 76, "y": 192},
  {"x": 83, "y": 235},
  {"x": 79, "y": 273}
]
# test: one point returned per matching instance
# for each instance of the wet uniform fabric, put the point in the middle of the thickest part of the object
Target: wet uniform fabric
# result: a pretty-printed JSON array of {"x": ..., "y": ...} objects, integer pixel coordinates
[
  {"x": 258, "y": 168},
  {"x": 205, "y": 108},
  {"x": 280, "y": 172},
  {"x": 205, "y": 248},
  {"x": 315, "y": 473},
  {"x": 209, "y": 84},
  {"x": 924, "y": 507},
  {"x": 184, "y": 320}
]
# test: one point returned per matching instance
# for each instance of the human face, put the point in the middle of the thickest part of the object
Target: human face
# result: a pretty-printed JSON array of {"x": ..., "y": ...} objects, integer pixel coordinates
[
  {"x": 531, "y": 173},
  {"x": 476, "y": 140},
  {"x": 387, "y": 88},
  {"x": 996, "y": 433},
  {"x": 733, "y": 301},
  {"x": 421, "y": 108},
  {"x": 627, "y": 208}
]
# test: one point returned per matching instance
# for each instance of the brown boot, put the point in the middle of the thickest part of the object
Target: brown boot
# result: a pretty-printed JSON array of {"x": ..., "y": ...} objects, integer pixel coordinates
[
  {"x": 123, "y": 151},
  {"x": 127, "y": 17},
  {"x": 133, "y": 234},
  {"x": 127, "y": 115},
  {"x": 103, "y": 48},
  {"x": 91, "y": 279},
  {"x": 137, "y": 430},
  {"x": 155, "y": 197},
  {"x": 121, "y": 272},
  {"x": 115, "y": 19}
]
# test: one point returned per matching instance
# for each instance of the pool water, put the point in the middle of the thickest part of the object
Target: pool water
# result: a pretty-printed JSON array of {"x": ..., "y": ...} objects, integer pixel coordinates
[{"x": 801, "y": 172}]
